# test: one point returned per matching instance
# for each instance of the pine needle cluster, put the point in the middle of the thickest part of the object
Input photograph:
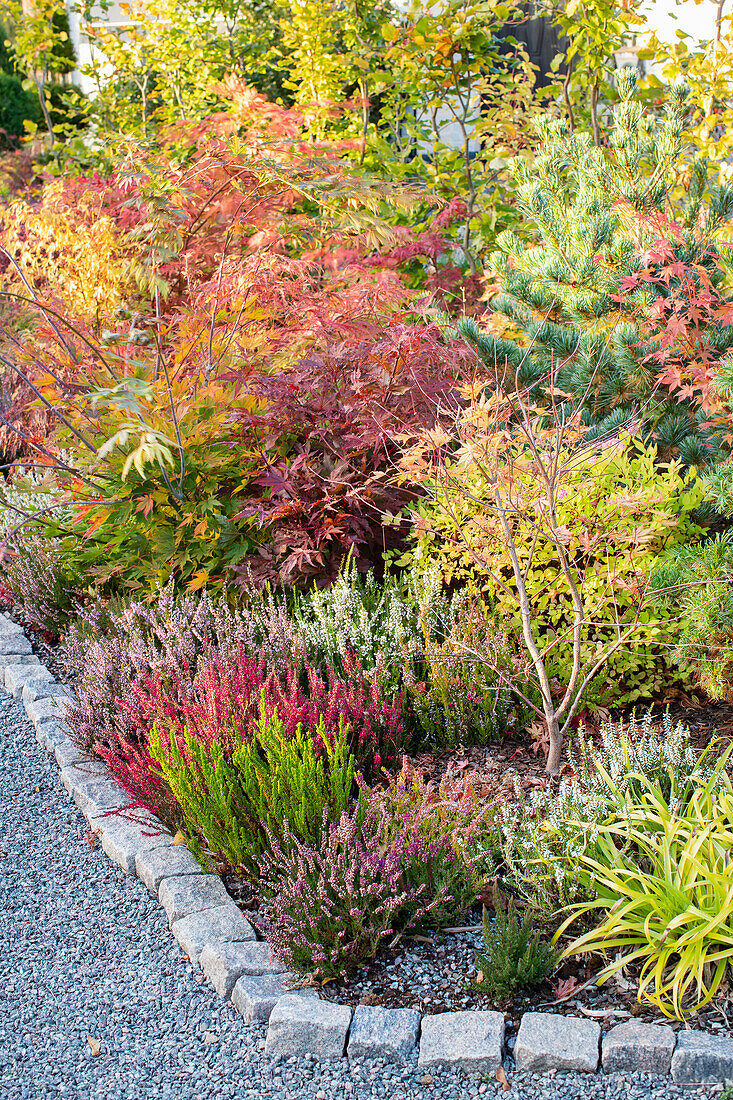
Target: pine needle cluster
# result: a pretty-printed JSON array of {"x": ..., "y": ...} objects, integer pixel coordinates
[{"x": 590, "y": 213}]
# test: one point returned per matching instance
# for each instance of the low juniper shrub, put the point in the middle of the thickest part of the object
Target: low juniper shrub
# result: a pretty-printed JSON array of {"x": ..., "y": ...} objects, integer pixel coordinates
[
  {"x": 332, "y": 904},
  {"x": 516, "y": 956}
]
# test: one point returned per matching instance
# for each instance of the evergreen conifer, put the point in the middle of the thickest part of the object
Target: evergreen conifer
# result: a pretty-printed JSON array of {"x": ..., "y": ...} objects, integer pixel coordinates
[{"x": 592, "y": 213}]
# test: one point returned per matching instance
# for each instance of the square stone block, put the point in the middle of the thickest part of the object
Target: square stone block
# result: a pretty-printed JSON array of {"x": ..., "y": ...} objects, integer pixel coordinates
[
  {"x": 702, "y": 1059},
  {"x": 14, "y": 645},
  {"x": 20, "y": 671},
  {"x": 8, "y": 627},
  {"x": 471, "y": 1041},
  {"x": 634, "y": 1047},
  {"x": 188, "y": 894},
  {"x": 165, "y": 862},
  {"x": 307, "y": 1025},
  {"x": 389, "y": 1033},
  {"x": 550, "y": 1042},
  {"x": 256, "y": 996},
  {"x": 67, "y": 753},
  {"x": 222, "y": 924},
  {"x": 46, "y": 708},
  {"x": 80, "y": 775},
  {"x": 43, "y": 689},
  {"x": 99, "y": 797},
  {"x": 123, "y": 837},
  {"x": 49, "y": 734},
  {"x": 224, "y": 963}
]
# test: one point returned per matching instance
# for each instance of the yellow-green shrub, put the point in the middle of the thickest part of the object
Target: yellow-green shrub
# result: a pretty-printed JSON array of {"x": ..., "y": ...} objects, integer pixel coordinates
[{"x": 619, "y": 509}]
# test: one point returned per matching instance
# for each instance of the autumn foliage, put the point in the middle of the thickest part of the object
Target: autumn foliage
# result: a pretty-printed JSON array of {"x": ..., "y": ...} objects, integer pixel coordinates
[{"x": 234, "y": 415}]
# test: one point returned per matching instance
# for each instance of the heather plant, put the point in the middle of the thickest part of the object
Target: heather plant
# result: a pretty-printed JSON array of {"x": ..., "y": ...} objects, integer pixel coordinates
[
  {"x": 112, "y": 646},
  {"x": 26, "y": 492},
  {"x": 452, "y": 825},
  {"x": 516, "y": 956},
  {"x": 546, "y": 836},
  {"x": 225, "y": 695},
  {"x": 332, "y": 904},
  {"x": 46, "y": 589},
  {"x": 374, "y": 621},
  {"x": 417, "y": 644},
  {"x": 273, "y": 786},
  {"x": 459, "y": 697}
]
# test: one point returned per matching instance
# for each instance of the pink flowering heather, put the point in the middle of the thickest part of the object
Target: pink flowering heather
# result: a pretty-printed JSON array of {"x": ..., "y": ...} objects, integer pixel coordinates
[
  {"x": 332, "y": 905},
  {"x": 109, "y": 650}
]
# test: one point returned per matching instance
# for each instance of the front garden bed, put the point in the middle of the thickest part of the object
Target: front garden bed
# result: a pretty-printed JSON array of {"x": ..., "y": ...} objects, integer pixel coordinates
[{"x": 353, "y": 1019}]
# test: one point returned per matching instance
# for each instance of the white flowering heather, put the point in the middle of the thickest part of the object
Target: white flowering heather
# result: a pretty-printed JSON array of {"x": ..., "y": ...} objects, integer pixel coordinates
[
  {"x": 376, "y": 622},
  {"x": 544, "y": 836},
  {"x": 27, "y": 493}
]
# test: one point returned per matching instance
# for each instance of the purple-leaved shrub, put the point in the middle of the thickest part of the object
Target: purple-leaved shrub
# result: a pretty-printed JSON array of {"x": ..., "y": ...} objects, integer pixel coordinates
[{"x": 331, "y": 905}]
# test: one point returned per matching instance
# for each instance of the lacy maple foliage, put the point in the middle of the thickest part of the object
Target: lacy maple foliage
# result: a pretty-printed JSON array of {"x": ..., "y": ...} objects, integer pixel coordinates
[{"x": 235, "y": 412}]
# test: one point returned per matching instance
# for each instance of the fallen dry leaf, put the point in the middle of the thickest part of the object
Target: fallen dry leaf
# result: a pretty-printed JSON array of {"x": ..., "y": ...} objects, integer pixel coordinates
[
  {"x": 93, "y": 1045},
  {"x": 566, "y": 987},
  {"x": 179, "y": 838},
  {"x": 501, "y": 1078},
  {"x": 91, "y": 839}
]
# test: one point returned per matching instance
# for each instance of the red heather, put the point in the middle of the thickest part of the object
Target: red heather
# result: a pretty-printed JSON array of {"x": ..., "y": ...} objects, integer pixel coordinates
[{"x": 223, "y": 704}]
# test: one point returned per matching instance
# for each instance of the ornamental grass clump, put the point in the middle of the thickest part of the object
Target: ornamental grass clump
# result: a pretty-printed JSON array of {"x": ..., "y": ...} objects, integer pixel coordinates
[
  {"x": 333, "y": 903},
  {"x": 662, "y": 877},
  {"x": 274, "y": 786}
]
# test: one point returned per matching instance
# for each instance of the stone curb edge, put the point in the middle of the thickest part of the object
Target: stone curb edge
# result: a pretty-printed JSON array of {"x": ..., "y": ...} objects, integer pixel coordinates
[{"x": 214, "y": 934}]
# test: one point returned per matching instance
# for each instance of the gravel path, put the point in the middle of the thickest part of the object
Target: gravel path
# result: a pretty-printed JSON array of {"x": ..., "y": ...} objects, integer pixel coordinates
[{"x": 85, "y": 952}]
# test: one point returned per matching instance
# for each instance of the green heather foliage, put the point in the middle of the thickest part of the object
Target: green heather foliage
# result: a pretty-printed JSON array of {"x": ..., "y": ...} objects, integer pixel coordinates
[
  {"x": 662, "y": 876},
  {"x": 272, "y": 784},
  {"x": 516, "y": 956}
]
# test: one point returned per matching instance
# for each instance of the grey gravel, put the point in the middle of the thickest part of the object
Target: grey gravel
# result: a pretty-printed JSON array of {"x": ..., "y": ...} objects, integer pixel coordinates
[{"x": 85, "y": 951}]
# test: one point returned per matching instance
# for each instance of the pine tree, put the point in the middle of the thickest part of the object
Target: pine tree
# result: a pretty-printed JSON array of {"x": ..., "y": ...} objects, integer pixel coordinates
[{"x": 595, "y": 215}]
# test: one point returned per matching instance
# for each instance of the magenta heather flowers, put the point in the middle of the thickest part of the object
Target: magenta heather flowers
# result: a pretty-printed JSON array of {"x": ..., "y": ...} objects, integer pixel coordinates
[{"x": 332, "y": 905}]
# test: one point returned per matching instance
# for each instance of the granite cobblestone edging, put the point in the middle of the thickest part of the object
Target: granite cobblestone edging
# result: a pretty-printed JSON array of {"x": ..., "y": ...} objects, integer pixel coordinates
[{"x": 215, "y": 935}]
